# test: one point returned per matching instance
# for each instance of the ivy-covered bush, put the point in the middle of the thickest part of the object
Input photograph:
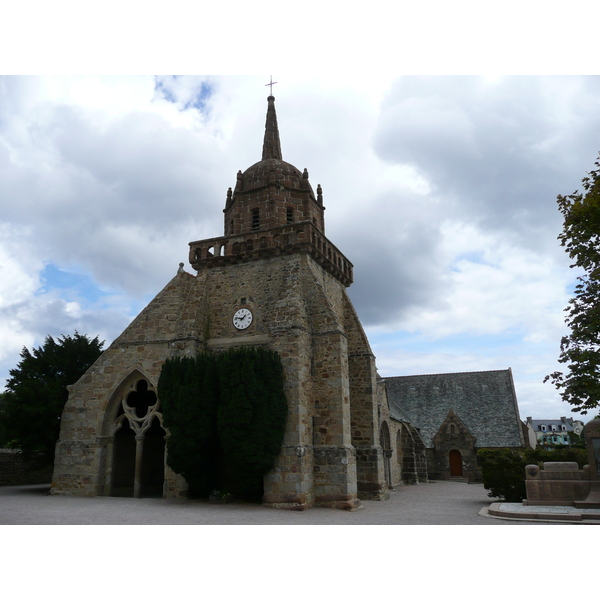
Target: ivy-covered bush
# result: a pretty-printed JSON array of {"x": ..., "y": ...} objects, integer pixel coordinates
[
  {"x": 226, "y": 416},
  {"x": 503, "y": 469}
]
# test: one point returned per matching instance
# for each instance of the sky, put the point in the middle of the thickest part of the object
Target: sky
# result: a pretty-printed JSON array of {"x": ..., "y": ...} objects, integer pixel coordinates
[{"x": 441, "y": 190}]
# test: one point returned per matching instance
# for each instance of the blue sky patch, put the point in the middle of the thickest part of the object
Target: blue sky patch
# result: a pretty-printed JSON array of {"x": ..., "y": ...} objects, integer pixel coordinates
[
  {"x": 74, "y": 286},
  {"x": 199, "y": 100},
  {"x": 168, "y": 88},
  {"x": 164, "y": 91}
]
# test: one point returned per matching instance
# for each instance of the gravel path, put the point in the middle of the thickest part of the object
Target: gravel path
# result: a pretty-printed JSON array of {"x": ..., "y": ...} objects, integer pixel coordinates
[{"x": 438, "y": 503}]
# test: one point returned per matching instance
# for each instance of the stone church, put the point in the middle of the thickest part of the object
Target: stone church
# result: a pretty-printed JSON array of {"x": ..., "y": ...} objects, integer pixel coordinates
[
  {"x": 273, "y": 279},
  {"x": 457, "y": 414}
]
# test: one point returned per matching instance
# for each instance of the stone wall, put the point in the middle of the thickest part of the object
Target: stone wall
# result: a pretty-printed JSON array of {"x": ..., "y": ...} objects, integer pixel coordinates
[
  {"x": 15, "y": 470},
  {"x": 167, "y": 327}
]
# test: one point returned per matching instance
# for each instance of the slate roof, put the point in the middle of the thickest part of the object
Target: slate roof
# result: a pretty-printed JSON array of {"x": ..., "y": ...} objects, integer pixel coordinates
[
  {"x": 558, "y": 423},
  {"x": 485, "y": 401}
]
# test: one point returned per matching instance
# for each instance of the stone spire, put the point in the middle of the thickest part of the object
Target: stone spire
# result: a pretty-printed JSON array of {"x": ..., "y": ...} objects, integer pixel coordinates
[{"x": 271, "y": 145}]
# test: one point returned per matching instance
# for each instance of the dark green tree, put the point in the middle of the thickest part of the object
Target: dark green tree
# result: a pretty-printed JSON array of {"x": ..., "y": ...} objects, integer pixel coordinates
[
  {"x": 251, "y": 417},
  {"x": 3, "y": 434},
  {"x": 576, "y": 440},
  {"x": 36, "y": 392},
  {"x": 189, "y": 393},
  {"x": 580, "y": 350},
  {"x": 226, "y": 415}
]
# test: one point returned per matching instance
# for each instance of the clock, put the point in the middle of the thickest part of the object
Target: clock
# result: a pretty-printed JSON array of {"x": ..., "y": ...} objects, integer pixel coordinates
[{"x": 242, "y": 318}]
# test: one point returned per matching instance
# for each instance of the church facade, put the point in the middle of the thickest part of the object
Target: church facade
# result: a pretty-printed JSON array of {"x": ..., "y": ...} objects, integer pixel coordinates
[{"x": 275, "y": 280}]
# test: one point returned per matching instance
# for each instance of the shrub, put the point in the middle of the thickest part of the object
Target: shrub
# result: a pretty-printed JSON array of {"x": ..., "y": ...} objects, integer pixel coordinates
[
  {"x": 503, "y": 472},
  {"x": 557, "y": 454}
]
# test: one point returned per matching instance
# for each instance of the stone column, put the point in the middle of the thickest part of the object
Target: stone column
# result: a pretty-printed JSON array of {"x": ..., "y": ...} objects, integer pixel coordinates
[
  {"x": 107, "y": 446},
  {"x": 139, "y": 455}
]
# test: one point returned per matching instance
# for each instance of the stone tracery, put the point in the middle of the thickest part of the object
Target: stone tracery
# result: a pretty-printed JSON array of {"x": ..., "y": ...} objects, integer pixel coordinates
[{"x": 137, "y": 416}]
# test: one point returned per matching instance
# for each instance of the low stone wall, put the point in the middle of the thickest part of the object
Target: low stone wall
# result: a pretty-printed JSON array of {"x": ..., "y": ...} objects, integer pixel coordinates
[
  {"x": 557, "y": 484},
  {"x": 15, "y": 470}
]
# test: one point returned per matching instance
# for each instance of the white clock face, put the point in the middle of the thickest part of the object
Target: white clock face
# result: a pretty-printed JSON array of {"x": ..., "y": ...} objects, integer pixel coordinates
[{"x": 242, "y": 318}]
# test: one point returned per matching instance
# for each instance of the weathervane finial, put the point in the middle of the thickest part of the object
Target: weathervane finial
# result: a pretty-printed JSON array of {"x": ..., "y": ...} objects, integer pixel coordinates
[{"x": 271, "y": 83}]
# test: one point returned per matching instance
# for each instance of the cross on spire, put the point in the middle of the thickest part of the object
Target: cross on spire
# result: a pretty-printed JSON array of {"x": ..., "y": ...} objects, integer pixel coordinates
[{"x": 271, "y": 83}]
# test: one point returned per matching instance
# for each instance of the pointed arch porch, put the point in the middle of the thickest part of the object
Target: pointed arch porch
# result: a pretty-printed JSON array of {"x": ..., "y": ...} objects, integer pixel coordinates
[{"x": 134, "y": 439}]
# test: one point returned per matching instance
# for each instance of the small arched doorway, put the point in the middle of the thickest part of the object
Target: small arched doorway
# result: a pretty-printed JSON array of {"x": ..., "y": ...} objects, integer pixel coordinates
[{"x": 455, "y": 460}]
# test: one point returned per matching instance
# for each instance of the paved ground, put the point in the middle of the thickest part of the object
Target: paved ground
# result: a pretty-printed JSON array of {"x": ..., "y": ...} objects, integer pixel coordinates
[{"x": 439, "y": 503}]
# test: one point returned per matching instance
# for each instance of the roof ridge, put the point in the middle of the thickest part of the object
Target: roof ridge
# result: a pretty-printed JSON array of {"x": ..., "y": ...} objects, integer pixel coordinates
[{"x": 449, "y": 373}]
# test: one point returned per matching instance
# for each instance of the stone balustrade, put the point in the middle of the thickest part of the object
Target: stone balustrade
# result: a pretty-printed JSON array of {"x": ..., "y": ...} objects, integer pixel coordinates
[{"x": 285, "y": 239}]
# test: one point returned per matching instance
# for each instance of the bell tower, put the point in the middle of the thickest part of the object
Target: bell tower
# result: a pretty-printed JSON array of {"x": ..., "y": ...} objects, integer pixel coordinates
[{"x": 275, "y": 268}]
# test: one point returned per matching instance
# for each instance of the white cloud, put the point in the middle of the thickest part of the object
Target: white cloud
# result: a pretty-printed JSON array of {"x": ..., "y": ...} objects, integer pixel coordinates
[
  {"x": 18, "y": 284},
  {"x": 491, "y": 287}
]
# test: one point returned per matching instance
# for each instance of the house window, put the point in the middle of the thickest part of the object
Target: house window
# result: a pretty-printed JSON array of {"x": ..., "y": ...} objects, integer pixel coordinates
[
  {"x": 543, "y": 427},
  {"x": 553, "y": 427},
  {"x": 290, "y": 215},
  {"x": 255, "y": 219}
]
